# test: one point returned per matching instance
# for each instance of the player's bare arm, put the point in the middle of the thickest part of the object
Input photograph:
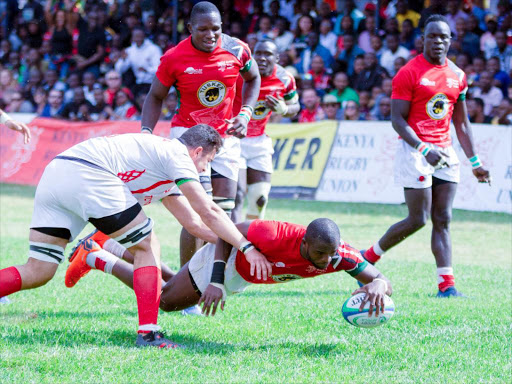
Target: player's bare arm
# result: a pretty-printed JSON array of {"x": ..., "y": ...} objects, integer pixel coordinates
[
  {"x": 250, "y": 92},
  {"x": 153, "y": 105},
  {"x": 465, "y": 136},
  {"x": 280, "y": 106},
  {"x": 15, "y": 126},
  {"x": 219, "y": 222},
  {"x": 188, "y": 218},
  {"x": 376, "y": 286},
  {"x": 399, "y": 114}
]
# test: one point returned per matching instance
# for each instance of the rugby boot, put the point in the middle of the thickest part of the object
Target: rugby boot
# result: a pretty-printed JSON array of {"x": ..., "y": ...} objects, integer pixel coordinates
[
  {"x": 155, "y": 339},
  {"x": 97, "y": 236},
  {"x": 78, "y": 267},
  {"x": 450, "y": 292}
]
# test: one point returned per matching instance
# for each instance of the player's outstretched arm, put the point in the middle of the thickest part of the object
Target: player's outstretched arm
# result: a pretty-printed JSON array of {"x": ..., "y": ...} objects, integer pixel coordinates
[
  {"x": 15, "y": 125},
  {"x": 215, "y": 218},
  {"x": 376, "y": 286},
  {"x": 465, "y": 135},
  {"x": 152, "y": 107}
]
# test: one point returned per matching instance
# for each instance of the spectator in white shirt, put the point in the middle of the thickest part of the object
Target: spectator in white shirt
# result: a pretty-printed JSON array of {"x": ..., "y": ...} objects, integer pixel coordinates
[
  {"x": 327, "y": 37},
  {"x": 490, "y": 94},
  {"x": 392, "y": 51}
]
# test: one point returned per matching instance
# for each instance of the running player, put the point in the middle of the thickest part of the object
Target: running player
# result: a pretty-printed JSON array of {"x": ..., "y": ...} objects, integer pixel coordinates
[
  {"x": 105, "y": 181},
  {"x": 428, "y": 92},
  {"x": 296, "y": 252},
  {"x": 278, "y": 94},
  {"x": 204, "y": 68},
  {"x": 15, "y": 125}
]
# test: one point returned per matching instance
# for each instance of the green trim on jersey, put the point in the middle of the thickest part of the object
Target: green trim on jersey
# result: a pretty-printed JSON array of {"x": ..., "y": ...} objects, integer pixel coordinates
[
  {"x": 183, "y": 181},
  {"x": 178, "y": 99},
  {"x": 462, "y": 96},
  {"x": 357, "y": 270},
  {"x": 290, "y": 95},
  {"x": 246, "y": 67}
]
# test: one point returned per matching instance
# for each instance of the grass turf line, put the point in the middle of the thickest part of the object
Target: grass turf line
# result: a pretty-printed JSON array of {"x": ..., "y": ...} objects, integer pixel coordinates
[{"x": 289, "y": 333}]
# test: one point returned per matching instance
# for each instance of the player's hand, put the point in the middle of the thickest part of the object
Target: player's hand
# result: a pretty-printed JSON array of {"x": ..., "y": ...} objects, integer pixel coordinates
[
  {"x": 210, "y": 299},
  {"x": 237, "y": 126},
  {"x": 278, "y": 105},
  {"x": 19, "y": 127},
  {"x": 375, "y": 293},
  {"x": 259, "y": 263},
  {"x": 437, "y": 158},
  {"x": 482, "y": 175}
]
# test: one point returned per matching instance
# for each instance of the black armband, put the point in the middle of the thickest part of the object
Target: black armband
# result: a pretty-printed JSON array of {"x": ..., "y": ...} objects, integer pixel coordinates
[
  {"x": 218, "y": 271},
  {"x": 145, "y": 128}
]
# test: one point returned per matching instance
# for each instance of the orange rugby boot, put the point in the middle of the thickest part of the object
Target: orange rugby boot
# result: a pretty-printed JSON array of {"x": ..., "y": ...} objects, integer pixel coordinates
[{"x": 78, "y": 267}]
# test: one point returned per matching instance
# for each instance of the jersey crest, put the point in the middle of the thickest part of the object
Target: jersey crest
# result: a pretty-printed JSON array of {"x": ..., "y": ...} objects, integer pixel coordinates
[
  {"x": 438, "y": 106},
  {"x": 260, "y": 110},
  {"x": 211, "y": 93}
]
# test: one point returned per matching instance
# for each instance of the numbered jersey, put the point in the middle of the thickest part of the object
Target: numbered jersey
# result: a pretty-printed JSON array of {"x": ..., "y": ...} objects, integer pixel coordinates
[
  {"x": 280, "y": 84},
  {"x": 149, "y": 165},
  {"x": 205, "y": 81},
  {"x": 280, "y": 243},
  {"x": 433, "y": 91}
]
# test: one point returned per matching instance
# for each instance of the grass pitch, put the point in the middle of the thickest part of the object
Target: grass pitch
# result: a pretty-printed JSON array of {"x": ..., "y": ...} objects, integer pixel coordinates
[{"x": 287, "y": 333}]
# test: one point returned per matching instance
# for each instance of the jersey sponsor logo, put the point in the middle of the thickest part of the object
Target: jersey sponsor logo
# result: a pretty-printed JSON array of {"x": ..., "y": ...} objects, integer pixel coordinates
[
  {"x": 285, "y": 278},
  {"x": 193, "y": 71},
  {"x": 452, "y": 83},
  {"x": 225, "y": 64},
  {"x": 437, "y": 106},
  {"x": 427, "y": 82},
  {"x": 211, "y": 93},
  {"x": 260, "y": 110}
]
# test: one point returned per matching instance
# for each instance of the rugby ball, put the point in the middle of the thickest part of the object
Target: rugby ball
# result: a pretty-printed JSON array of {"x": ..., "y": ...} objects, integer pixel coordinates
[{"x": 354, "y": 316}]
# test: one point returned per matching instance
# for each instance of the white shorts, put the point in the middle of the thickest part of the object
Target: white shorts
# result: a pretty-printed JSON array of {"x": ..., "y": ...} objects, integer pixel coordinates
[
  {"x": 201, "y": 266},
  {"x": 70, "y": 192},
  {"x": 257, "y": 153},
  {"x": 226, "y": 162},
  {"x": 413, "y": 171}
]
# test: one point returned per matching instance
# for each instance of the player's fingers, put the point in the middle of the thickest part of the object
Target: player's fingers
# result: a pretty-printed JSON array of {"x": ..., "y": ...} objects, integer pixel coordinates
[
  {"x": 358, "y": 290},
  {"x": 269, "y": 268},
  {"x": 258, "y": 271},
  {"x": 363, "y": 303},
  {"x": 253, "y": 266},
  {"x": 264, "y": 271},
  {"x": 214, "y": 306}
]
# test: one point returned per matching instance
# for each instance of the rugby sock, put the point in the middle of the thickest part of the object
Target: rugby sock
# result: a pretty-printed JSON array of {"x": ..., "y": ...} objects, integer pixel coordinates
[
  {"x": 374, "y": 253},
  {"x": 102, "y": 260},
  {"x": 147, "y": 284},
  {"x": 445, "y": 278},
  {"x": 114, "y": 248},
  {"x": 10, "y": 281}
]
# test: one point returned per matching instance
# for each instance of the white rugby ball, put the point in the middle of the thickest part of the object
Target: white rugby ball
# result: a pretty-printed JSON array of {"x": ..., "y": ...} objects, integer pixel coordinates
[{"x": 354, "y": 316}]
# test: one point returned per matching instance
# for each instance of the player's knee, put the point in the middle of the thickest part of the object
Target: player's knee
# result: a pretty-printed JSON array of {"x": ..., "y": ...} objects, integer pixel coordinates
[
  {"x": 257, "y": 198},
  {"x": 418, "y": 221},
  {"x": 225, "y": 203},
  {"x": 441, "y": 219},
  {"x": 240, "y": 196}
]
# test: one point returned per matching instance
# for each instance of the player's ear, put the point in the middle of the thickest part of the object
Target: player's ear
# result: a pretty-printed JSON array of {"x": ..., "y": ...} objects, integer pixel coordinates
[{"x": 189, "y": 27}]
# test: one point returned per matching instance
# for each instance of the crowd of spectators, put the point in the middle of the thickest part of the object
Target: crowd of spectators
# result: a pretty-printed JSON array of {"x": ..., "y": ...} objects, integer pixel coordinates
[{"x": 93, "y": 60}]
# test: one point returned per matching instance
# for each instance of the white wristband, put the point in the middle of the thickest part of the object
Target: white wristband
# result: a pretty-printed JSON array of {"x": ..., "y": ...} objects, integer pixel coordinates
[
  {"x": 384, "y": 281},
  {"x": 222, "y": 288}
]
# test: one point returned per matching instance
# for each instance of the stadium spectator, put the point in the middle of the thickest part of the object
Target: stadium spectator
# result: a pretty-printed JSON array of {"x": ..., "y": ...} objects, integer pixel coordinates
[
  {"x": 501, "y": 78},
  {"x": 399, "y": 63},
  {"x": 346, "y": 26},
  {"x": 51, "y": 80},
  {"x": 40, "y": 99},
  {"x": 320, "y": 74},
  {"x": 365, "y": 37},
  {"x": 72, "y": 82},
  {"x": 372, "y": 75},
  {"x": 265, "y": 28},
  {"x": 78, "y": 108},
  {"x": 342, "y": 91},
  {"x": 328, "y": 38},
  {"x": 7, "y": 83},
  {"x": 476, "y": 111},
  {"x": 350, "y": 10},
  {"x": 391, "y": 52},
  {"x": 123, "y": 108},
  {"x": 91, "y": 44},
  {"x": 454, "y": 13},
  {"x": 54, "y": 105},
  {"x": 349, "y": 53},
  {"x": 436, "y": 7},
  {"x": 311, "y": 110},
  {"x": 404, "y": 13},
  {"x": 487, "y": 40},
  {"x": 364, "y": 105},
  {"x": 503, "y": 113},
  {"x": 170, "y": 106},
  {"x": 490, "y": 94},
  {"x": 89, "y": 81},
  {"x": 114, "y": 84},
  {"x": 284, "y": 38},
  {"x": 503, "y": 51},
  {"x": 60, "y": 36},
  {"x": 331, "y": 108},
  {"x": 98, "y": 111},
  {"x": 408, "y": 35},
  {"x": 305, "y": 26},
  {"x": 391, "y": 26},
  {"x": 351, "y": 111},
  {"x": 384, "y": 109},
  {"x": 17, "y": 103},
  {"x": 314, "y": 48},
  {"x": 358, "y": 68},
  {"x": 465, "y": 41},
  {"x": 377, "y": 46}
]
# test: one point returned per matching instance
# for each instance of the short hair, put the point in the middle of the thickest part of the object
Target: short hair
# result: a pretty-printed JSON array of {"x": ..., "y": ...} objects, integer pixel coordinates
[
  {"x": 479, "y": 101},
  {"x": 203, "y": 8},
  {"x": 323, "y": 230},
  {"x": 202, "y": 135},
  {"x": 434, "y": 18}
]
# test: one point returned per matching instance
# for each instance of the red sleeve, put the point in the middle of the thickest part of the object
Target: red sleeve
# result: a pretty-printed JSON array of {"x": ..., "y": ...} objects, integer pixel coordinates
[
  {"x": 165, "y": 71},
  {"x": 262, "y": 233},
  {"x": 403, "y": 84},
  {"x": 131, "y": 112}
]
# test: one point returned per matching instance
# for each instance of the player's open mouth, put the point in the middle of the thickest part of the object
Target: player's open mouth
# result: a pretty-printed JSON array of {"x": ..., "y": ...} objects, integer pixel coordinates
[{"x": 210, "y": 43}]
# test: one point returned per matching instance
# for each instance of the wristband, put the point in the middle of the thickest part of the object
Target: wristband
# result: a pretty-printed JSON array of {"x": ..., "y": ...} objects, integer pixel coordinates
[
  {"x": 384, "y": 281},
  {"x": 475, "y": 162},
  {"x": 246, "y": 112},
  {"x": 4, "y": 117},
  {"x": 145, "y": 128},
  {"x": 246, "y": 247},
  {"x": 222, "y": 288},
  {"x": 423, "y": 148},
  {"x": 218, "y": 272}
]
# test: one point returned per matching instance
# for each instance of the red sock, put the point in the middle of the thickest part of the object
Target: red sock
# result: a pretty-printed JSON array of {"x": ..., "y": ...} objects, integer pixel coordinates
[
  {"x": 147, "y": 284},
  {"x": 10, "y": 281},
  {"x": 371, "y": 256},
  {"x": 447, "y": 282}
]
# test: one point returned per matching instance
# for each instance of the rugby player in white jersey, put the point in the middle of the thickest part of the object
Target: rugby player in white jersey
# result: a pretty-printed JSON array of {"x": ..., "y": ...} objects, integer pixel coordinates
[{"x": 106, "y": 181}]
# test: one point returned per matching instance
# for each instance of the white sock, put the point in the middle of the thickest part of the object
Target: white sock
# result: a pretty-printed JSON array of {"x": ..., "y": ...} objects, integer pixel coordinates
[
  {"x": 102, "y": 260},
  {"x": 114, "y": 248},
  {"x": 377, "y": 249}
]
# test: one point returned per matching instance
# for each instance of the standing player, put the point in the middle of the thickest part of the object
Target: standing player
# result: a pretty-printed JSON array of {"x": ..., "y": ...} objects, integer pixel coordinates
[
  {"x": 204, "y": 68},
  {"x": 296, "y": 252},
  {"x": 105, "y": 181},
  {"x": 428, "y": 92},
  {"x": 277, "y": 94}
]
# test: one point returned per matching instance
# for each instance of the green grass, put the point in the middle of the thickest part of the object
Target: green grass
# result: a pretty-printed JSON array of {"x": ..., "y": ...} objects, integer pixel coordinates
[{"x": 288, "y": 333}]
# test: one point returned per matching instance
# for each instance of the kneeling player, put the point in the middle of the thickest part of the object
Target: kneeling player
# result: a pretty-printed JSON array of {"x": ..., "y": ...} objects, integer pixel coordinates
[{"x": 296, "y": 252}]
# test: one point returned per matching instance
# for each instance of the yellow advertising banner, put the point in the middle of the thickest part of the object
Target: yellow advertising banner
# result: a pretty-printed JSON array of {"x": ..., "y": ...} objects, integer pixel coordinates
[{"x": 300, "y": 155}]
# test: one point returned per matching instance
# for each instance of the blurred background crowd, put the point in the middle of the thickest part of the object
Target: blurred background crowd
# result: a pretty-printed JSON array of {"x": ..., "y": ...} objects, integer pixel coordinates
[{"x": 92, "y": 60}]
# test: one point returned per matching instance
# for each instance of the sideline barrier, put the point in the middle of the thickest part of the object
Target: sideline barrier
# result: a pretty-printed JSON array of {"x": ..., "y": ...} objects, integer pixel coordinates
[{"x": 346, "y": 162}]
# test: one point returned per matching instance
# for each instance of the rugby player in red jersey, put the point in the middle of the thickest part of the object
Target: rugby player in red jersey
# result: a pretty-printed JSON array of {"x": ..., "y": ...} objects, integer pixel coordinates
[
  {"x": 428, "y": 92},
  {"x": 204, "y": 68},
  {"x": 278, "y": 93},
  {"x": 296, "y": 252}
]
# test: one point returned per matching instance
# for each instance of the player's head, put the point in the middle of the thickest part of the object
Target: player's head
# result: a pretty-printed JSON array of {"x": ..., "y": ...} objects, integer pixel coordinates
[
  {"x": 203, "y": 143},
  {"x": 266, "y": 56},
  {"x": 320, "y": 242},
  {"x": 436, "y": 39},
  {"x": 205, "y": 26}
]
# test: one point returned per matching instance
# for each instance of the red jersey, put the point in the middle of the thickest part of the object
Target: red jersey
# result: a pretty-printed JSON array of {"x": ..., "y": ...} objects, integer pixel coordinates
[
  {"x": 280, "y": 243},
  {"x": 432, "y": 90},
  {"x": 205, "y": 81},
  {"x": 280, "y": 84}
]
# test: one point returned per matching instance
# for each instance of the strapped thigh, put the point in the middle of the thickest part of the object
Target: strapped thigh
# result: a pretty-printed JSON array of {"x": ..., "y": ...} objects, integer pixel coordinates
[
  {"x": 136, "y": 234},
  {"x": 50, "y": 253}
]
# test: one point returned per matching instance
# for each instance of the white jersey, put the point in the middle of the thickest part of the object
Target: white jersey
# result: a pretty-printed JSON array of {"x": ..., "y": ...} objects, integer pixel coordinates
[{"x": 149, "y": 165}]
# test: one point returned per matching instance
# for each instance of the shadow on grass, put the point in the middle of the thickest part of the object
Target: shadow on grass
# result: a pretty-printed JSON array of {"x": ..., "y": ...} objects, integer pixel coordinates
[{"x": 306, "y": 293}]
